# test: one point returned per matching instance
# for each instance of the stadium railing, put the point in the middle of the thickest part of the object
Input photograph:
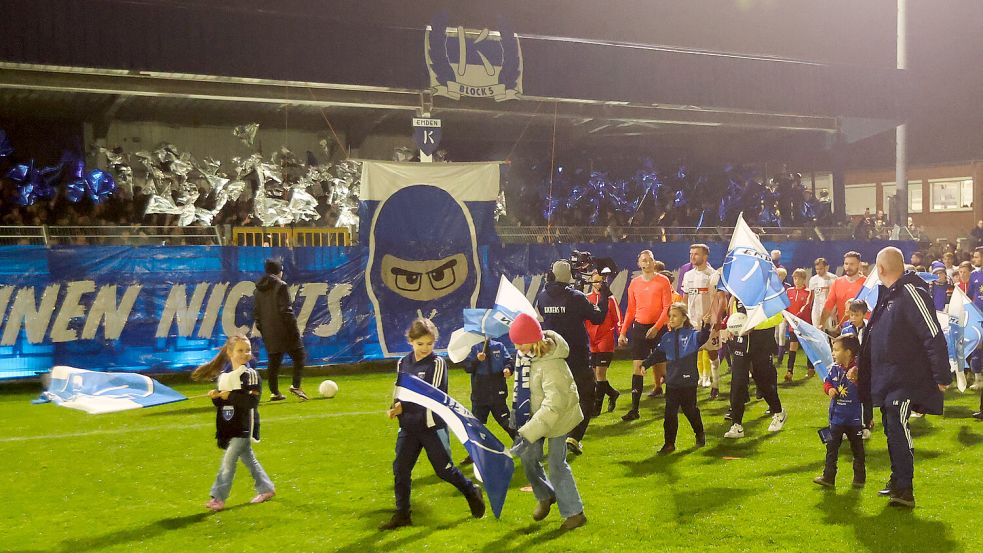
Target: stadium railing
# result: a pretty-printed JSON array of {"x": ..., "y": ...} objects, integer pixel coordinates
[
  {"x": 290, "y": 237},
  {"x": 555, "y": 234},
  {"x": 133, "y": 235}
]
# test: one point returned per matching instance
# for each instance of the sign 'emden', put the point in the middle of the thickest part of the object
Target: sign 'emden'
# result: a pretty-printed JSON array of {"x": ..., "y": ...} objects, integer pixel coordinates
[{"x": 475, "y": 63}]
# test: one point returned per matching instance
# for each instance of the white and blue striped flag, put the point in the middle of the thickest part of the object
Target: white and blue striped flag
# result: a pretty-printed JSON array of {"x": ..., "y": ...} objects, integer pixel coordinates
[{"x": 493, "y": 465}]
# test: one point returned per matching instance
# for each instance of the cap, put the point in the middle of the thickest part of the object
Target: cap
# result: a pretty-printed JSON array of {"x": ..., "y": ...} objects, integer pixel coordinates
[{"x": 561, "y": 271}]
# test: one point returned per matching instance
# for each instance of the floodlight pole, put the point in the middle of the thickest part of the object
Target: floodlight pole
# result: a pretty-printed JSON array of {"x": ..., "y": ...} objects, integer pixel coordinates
[{"x": 901, "y": 132}]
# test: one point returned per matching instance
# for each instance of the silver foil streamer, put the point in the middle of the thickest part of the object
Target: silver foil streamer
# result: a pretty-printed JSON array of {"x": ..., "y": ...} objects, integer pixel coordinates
[
  {"x": 500, "y": 205},
  {"x": 246, "y": 133}
]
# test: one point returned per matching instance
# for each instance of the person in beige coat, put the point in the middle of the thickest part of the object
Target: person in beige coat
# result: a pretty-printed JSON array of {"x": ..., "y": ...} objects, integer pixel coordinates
[{"x": 554, "y": 410}]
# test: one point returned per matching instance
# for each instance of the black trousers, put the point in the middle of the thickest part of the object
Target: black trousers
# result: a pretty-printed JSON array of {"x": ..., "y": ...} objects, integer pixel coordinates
[
  {"x": 681, "y": 399},
  {"x": 583, "y": 376},
  {"x": 754, "y": 356},
  {"x": 855, "y": 435},
  {"x": 498, "y": 410},
  {"x": 408, "y": 446},
  {"x": 297, "y": 356}
]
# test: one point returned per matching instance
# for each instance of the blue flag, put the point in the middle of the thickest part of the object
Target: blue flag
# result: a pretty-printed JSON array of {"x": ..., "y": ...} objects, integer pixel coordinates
[
  {"x": 965, "y": 329},
  {"x": 493, "y": 465},
  {"x": 488, "y": 322},
  {"x": 750, "y": 276},
  {"x": 99, "y": 392},
  {"x": 814, "y": 342}
]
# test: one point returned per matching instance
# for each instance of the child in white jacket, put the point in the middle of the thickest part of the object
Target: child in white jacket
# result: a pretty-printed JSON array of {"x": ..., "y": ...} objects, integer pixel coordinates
[{"x": 554, "y": 412}]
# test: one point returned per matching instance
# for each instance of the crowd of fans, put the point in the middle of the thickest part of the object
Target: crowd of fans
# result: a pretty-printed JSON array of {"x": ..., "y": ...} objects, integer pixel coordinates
[{"x": 633, "y": 192}]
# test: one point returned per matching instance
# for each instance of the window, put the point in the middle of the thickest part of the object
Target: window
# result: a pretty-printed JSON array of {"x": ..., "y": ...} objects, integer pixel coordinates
[
  {"x": 914, "y": 196},
  {"x": 860, "y": 197},
  {"x": 952, "y": 194}
]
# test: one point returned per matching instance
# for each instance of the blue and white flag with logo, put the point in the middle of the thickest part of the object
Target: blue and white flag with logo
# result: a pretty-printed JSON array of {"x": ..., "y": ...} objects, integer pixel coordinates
[
  {"x": 491, "y": 323},
  {"x": 750, "y": 276},
  {"x": 493, "y": 465},
  {"x": 871, "y": 288},
  {"x": 99, "y": 392},
  {"x": 965, "y": 331},
  {"x": 814, "y": 342}
]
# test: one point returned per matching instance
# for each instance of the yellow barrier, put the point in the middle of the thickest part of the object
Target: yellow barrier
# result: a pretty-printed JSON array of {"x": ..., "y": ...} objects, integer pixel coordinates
[{"x": 291, "y": 237}]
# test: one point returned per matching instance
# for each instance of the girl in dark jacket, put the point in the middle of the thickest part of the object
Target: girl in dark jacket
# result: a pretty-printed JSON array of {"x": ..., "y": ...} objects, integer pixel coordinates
[{"x": 681, "y": 346}]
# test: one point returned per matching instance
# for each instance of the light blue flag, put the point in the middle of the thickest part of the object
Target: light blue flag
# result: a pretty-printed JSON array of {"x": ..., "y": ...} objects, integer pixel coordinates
[
  {"x": 99, "y": 392},
  {"x": 493, "y": 465},
  {"x": 814, "y": 342},
  {"x": 488, "y": 322},
  {"x": 749, "y": 275},
  {"x": 871, "y": 288},
  {"x": 965, "y": 329}
]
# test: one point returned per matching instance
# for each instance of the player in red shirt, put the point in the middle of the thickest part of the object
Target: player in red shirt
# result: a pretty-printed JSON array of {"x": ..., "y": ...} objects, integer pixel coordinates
[
  {"x": 602, "y": 342},
  {"x": 801, "y": 307}
]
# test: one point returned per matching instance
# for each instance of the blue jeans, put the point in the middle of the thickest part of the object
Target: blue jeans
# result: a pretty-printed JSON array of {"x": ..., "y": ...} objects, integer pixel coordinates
[
  {"x": 560, "y": 484},
  {"x": 239, "y": 448}
]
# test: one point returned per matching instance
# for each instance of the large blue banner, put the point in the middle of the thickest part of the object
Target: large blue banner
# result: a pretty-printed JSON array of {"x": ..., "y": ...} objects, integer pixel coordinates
[{"x": 159, "y": 309}]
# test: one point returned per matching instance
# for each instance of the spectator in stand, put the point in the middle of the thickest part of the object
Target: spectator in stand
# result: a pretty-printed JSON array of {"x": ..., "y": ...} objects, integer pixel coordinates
[
  {"x": 865, "y": 227},
  {"x": 962, "y": 276},
  {"x": 917, "y": 259},
  {"x": 977, "y": 234},
  {"x": 949, "y": 261}
]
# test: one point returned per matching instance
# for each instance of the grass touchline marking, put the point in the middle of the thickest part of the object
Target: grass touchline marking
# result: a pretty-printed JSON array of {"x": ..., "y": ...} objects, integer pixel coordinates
[{"x": 173, "y": 427}]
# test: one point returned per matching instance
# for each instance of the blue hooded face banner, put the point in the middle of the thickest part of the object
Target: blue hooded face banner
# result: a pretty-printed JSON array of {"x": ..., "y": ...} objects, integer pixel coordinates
[{"x": 426, "y": 224}]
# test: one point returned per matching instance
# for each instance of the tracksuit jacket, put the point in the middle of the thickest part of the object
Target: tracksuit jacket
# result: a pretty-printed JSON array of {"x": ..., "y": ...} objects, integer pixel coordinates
[
  {"x": 488, "y": 385},
  {"x": 681, "y": 347},
  {"x": 904, "y": 352}
]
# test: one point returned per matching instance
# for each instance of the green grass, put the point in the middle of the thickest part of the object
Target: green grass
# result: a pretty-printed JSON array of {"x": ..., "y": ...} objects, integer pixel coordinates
[{"x": 136, "y": 481}]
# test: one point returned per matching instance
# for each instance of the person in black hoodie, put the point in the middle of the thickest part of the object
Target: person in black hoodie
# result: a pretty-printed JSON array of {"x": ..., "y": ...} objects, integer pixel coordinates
[
  {"x": 274, "y": 315},
  {"x": 904, "y": 365},
  {"x": 564, "y": 311}
]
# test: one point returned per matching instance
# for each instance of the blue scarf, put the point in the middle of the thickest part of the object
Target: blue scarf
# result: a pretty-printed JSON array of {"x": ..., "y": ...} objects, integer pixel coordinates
[{"x": 521, "y": 398}]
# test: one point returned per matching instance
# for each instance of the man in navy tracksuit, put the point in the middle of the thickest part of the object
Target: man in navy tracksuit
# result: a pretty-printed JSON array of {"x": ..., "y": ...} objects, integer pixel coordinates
[
  {"x": 489, "y": 364},
  {"x": 564, "y": 311},
  {"x": 904, "y": 365}
]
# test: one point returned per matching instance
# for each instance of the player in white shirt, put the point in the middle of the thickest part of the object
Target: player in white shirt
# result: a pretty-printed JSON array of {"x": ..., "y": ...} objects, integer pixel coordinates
[
  {"x": 699, "y": 287},
  {"x": 819, "y": 286}
]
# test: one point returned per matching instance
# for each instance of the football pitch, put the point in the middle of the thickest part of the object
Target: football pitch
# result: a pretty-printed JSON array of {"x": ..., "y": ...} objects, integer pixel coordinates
[{"x": 137, "y": 481}]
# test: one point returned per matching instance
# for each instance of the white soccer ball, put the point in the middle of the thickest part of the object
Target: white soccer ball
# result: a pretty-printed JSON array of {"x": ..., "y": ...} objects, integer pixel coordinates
[
  {"x": 328, "y": 388},
  {"x": 735, "y": 322}
]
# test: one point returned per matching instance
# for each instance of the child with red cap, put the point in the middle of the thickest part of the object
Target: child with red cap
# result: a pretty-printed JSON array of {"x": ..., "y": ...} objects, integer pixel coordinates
[{"x": 554, "y": 410}]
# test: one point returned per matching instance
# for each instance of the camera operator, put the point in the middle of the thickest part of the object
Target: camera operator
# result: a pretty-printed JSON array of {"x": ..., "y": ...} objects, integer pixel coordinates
[{"x": 564, "y": 311}]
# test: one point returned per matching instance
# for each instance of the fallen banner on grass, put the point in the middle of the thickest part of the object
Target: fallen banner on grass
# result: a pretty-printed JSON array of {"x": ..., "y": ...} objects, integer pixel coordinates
[
  {"x": 493, "y": 466},
  {"x": 97, "y": 392}
]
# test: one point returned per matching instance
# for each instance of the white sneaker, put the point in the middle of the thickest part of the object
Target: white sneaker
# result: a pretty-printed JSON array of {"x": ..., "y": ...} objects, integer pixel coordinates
[
  {"x": 736, "y": 431},
  {"x": 977, "y": 382},
  {"x": 917, "y": 415},
  {"x": 777, "y": 421},
  {"x": 865, "y": 434},
  {"x": 706, "y": 382}
]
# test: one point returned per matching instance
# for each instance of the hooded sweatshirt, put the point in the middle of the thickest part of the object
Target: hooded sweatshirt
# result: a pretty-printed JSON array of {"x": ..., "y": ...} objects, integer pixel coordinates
[
  {"x": 274, "y": 315},
  {"x": 554, "y": 402}
]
